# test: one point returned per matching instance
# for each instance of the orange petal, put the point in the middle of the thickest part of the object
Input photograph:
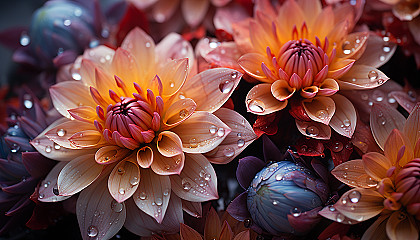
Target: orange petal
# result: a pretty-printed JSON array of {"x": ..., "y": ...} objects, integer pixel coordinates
[
  {"x": 85, "y": 114},
  {"x": 124, "y": 179},
  {"x": 197, "y": 182},
  {"x": 78, "y": 174},
  {"x": 236, "y": 141},
  {"x": 210, "y": 89},
  {"x": 212, "y": 228},
  {"x": 406, "y": 10},
  {"x": 87, "y": 71},
  {"x": 398, "y": 149},
  {"x": 261, "y": 101},
  {"x": 178, "y": 112},
  {"x": 328, "y": 87},
  {"x": 61, "y": 133},
  {"x": 338, "y": 32},
  {"x": 105, "y": 82},
  {"x": 323, "y": 24},
  {"x": 164, "y": 9},
  {"x": 188, "y": 233},
  {"x": 360, "y": 204},
  {"x": 290, "y": 14},
  {"x": 314, "y": 129},
  {"x": 310, "y": 9},
  {"x": 320, "y": 109},
  {"x": 353, "y": 173},
  {"x": 281, "y": 90},
  {"x": 412, "y": 127},
  {"x": 378, "y": 51},
  {"x": 194, "y": 11},
  {"x": 251, "y": 64},
  {"x": 332, "y": 213},
  {"x": 376, "y": 165},
  {"x": 111, "y": 154},
  {"x": 345, "y": 117},
  {"x": 98, "y": 213},
  {"x": 145, "y": 157},
  {"x": 353, "y": 46},
  {"x": 201, "y": 132},
  {"x": 339, "y": 67},
  {"x": 377, "y": 230},
  {"x": 46, "y": 188},
  {"x": 125, "y": 67},
  {"x": 70, "y": 94},
  {"x": 383, "y": 120},
  {"x": 153, "y": 194},
  {"x": 174, "y": 46},
  {"x": 309, "y": 92},
  {"x": 245, "y": 235},
  {"x": 142, "y": 46},
  {"x": 169, "y": 144},
  {"x": 99, "y": 56},
  {"x": 362, "y": 77},
  {"x": 192, "y": 208},
  {"x": 173, "y": 75},
  {"x": 167, "y": 165},
  {"x": 87, "y": 138},
  {"x": 262, "y": 35},
  {"x": 402, "y": 226}
]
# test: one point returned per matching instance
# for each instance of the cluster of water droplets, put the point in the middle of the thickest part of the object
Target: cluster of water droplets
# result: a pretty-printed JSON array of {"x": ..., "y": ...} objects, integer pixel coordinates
[{"x": 350, "y": 199}]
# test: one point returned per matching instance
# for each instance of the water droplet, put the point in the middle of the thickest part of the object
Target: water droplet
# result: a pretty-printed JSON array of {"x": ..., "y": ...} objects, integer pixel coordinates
[
  {"x": 256, "y": 106},
  {"x": 60, "y": 51},
  {"x": 226, "y": 86},
  {"x": 41, "y": 196},
  {"x": 27, "y": 101},
  {"x": 193, "y": 143},
  {"x": 339, "y": 218},
  {"x": 159, "y": 201},
  {"x": 148, "y": 44},
  {"x": 312, "y": 131},
  {"x": 24, "y": 39},
  {"x": 234, "y": 75},
  {"x": 346, "y": 122},
  {"x": 322, "y": 114},
  {"x": 331, "y": 208},
  {"x": 121, "y": 171},
  {"x": 296, "y": 212},
  {"x": 67, "y": 22},
  {"x": 213, "y": 129},
  {"x": 134, "y": 181},
  {"x": 247, "y": 222},
  {"x": 92, "y": 231},
  {"x": 275, "y": 202},
  {"x": 14, "y": 148},
  {"x": 382, "y": 58},
  {"x": 371, "y": 182},
  {"x": 381, "y": 120},
  {"x": 373, "y": 75},
  {"x": 241, "y": 143},
  {"x": 167, "y": 167},
  {"x": 344, "y": 200},
  {"x": 337, "y": 147},
  {"x": 77, "y": 12},
  {"x": 61, "y": 132},
  {"x": 386, "y": 48},
  {"x": 214, "y": 44},
  {"x": 354, "y": 196},
  {"x": 186, "y": 185},
  {"x": 48, "y": 149},
  {"x": 143, "y": 196},
  {"x": 166, "y": 192},
  {"x": 181, "y": 95},
  {"x": 347, "y": 48},
  {"x": 279, "y": 177},
  {"x": 46, "y": 184},
  {"x": 116, "y": 206},
  {"x": 122, "y": 191},
  {"x": 229, "y": 152},
  {"x": 76, "y": 76},
  {"x": 172, "y": 84},
  {"x": 207, "y": 177},
  {"x": 221, "y": 132},
  {"x": 183, "y": 113}
]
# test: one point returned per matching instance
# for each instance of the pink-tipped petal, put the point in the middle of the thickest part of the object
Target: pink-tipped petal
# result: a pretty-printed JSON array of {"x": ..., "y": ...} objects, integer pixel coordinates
[
  {"x": 201, "y": 132},
  {"x": 251, "y": 64},
  {"x": 377, "y": 230},
  {"x": 383, "y": 120},
  {"x": 210, "y": 89},
  {"x": 328, "y": 87},
  {"x": 124, "y": 179},
  {"x": 236, "y": 141},
  {"x": 78, "y": 174},
  {"x": 189, "y": 184},
  {"x": 87, "y": 138},
  {"x": 173, "y": 74},
  {"x": 145, "y": 157},
  {"x": 96, "y": 199},
  {"x": 169, "y": 144},
  {"x": 61, "y": 132},
  {"x": 153, "y": 194},
  {"x": 170, "y": 46},
  {"x": 314, "y": 129},
  {"x": 376, "y": 165},
  {"x": 412, "y": 127},
  {"x": 261, "y": 101},
  {"x": 110, "y": 154},
  {"x": 167, "y": 165},
  {"x": 85, "y": 114},
  {"x": 353, "y": 174},
  {"x": 46, "y": 189},
  {"x": 353, "y": 46},
  {"x": 281, "y": 90},
  {"x": 178, "y": 112},
  {"x": 320, "y": 109},
  {"x": 194, "y": 11},
  {"x": 309, "y": 92},
  {"x": 398, "y": 149}
]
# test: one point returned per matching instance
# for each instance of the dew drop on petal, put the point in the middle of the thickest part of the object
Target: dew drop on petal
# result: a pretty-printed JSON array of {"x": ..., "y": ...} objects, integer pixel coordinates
[
  {"x": 275, "y": 202},
  {"x": 279, "y": 177},
  {"x": 221, "y": 132},
  {"x": 312, "y": 131},
  {"x": 122, "y": 191},
  {"x": 61, "y": 132},
  {"x": 193, "y": 143},
  {"x": 229, "y": 152},
  {"x": 207, "y": 177},
  {"x": 337, "y": 146},
  {"x": 340, "y": 217},
  {"x": 296, "y": 212},
  {"x": 381, "y": 120},
  {"x": 78, "y": 12},
  {"x": 346, "y": 122},
  {"x": 134, "y": 181},
  {"x": 183, "y": 113},
  {"x": 148, "y": 44},
  {"x": 247, "y": 222},
  {"x": 226, "y": 86},
  {"x": 121, "y": 170},
  {"x": 234, "y": 75},
  {"x": 41, "y": 196},
  {"x": 186, "y": 185},
  {"x": 347, "y": 48},
  {"x": 373, "y": 75},
  {"x": 371, "y": 182},
  {"x": 256, "y": 106},
  {"x": 92, "y": 231},
  {"x": 24, "y": 39},
  {"x": 48, "y": 149},
  {"x": 354, "y": 196},
  {"x": 166, "y": 192},
  {"x": 143, "y": 196},
  {"x": 331, "y": 208},
  {"x": 116, "y": 206},
  {"x": 322, "y": 114},
  {"x": 27, "y": 101},
  {"x": 213, "y": 129},
  {"x": 14, "y": 148},
  {"x": 241, "y": 143},
  {"x": 159, "y": 201}
]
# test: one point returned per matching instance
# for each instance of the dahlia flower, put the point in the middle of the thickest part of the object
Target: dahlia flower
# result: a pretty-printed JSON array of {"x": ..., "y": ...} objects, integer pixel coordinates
[
  {"x": 304, "y": 54},
  {"x": 384, "y": 184},
  {"x": 22, "y": 168},
  {"x": 282, "y": 197},
  {"x": 135, "y": 132}
]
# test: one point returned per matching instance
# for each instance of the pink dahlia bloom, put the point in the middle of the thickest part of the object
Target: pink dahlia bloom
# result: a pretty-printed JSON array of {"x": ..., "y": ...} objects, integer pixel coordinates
[
  {"x": 135, "y": 134},
  {"x": 304, "y": 54}
]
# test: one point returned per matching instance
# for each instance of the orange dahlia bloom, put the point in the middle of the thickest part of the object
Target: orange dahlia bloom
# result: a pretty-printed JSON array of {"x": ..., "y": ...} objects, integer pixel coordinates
[
  {"x": 134, "y": 134},
  {"x": 304, "y": 54},
  {"x": 384, "y": 184}
]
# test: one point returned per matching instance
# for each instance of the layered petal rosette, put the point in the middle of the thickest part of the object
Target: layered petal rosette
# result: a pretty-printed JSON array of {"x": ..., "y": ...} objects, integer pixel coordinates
[
  {"x": 136, "y": 129},
  {"x": 304, "y": 54},
  {"x": 384, "y": 184}
]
